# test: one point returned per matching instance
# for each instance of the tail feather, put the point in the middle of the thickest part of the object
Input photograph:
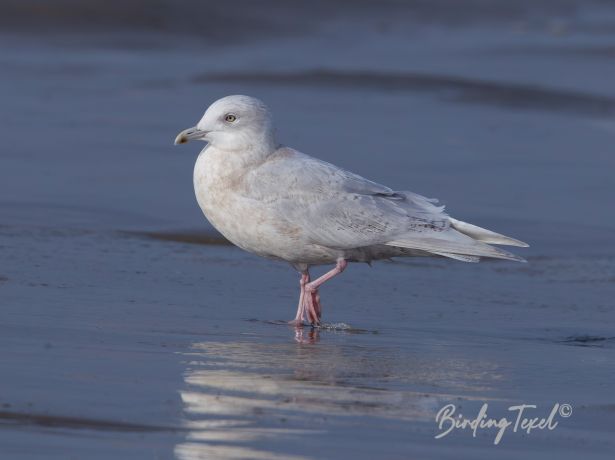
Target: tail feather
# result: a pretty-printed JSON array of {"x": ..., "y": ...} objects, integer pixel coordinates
[
  {"x": 460, "y": 257},
  {"x": 484, "y": 235},
  {"x": 454, "y": 243}
]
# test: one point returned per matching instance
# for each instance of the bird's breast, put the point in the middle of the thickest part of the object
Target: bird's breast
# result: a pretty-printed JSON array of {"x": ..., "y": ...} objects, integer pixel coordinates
[
  {"x": 219, "y": 193},
  {"x": 214, "y": 191},
  {"x": 248, "y": 221}
]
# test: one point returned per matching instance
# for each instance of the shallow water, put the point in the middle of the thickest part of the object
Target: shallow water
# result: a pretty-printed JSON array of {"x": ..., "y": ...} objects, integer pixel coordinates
[{"x": 131, "y": 330}]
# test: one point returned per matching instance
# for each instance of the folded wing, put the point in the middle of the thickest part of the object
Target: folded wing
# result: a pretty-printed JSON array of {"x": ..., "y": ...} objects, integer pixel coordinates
[{"x": 341, "y": 210}]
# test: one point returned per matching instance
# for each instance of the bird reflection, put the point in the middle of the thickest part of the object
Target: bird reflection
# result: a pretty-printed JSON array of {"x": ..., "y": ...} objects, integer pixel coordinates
[
  {"x": 259, "y": 399},
  {"x": 310, "y": 337}
]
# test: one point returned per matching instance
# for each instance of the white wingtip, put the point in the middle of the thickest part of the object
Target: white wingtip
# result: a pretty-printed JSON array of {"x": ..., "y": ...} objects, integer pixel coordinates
[{"x": 484, "y": 235}]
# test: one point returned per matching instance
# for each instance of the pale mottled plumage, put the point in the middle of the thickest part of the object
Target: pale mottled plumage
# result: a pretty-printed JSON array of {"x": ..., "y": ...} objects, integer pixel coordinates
[{"x": 282, "y": 204}]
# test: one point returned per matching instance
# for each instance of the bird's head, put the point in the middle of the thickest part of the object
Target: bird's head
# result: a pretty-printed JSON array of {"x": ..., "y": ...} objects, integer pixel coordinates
[{"x": 233, "y": 123}]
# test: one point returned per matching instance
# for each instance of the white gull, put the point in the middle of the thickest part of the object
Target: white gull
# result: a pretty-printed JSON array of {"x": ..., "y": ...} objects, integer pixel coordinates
[{"x": 282, "y": 204}]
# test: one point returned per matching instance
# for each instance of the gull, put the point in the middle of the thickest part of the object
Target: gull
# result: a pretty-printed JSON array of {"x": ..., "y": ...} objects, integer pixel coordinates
[{"x": 276, "y": 202}]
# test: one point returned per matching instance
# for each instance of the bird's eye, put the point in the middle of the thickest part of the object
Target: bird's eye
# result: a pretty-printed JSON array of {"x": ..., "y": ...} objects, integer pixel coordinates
[{"x": 230, "y": 117}]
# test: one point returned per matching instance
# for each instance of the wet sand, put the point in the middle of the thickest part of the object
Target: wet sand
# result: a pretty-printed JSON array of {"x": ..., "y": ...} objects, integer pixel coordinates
[{"x": 130, "y": 329}]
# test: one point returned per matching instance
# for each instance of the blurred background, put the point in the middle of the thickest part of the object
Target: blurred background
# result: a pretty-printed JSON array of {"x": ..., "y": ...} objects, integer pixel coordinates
[
  {"x": 498, "y": 108},
  {"x": 124, "y": 313}
]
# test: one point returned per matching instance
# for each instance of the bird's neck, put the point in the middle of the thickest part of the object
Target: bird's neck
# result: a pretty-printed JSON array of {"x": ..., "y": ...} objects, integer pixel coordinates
[{"x": 251, "y": 151}]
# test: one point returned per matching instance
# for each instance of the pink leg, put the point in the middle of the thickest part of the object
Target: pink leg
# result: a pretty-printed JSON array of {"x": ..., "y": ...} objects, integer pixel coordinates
[
  {"x": 314, "y": 308},
  {"x": 317, "y": 304},
  {"x": 301, "y": 310}
]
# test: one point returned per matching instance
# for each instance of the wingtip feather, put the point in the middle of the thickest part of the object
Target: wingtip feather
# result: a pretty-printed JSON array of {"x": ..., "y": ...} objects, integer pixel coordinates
[{"x": 484, "y": 235}]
